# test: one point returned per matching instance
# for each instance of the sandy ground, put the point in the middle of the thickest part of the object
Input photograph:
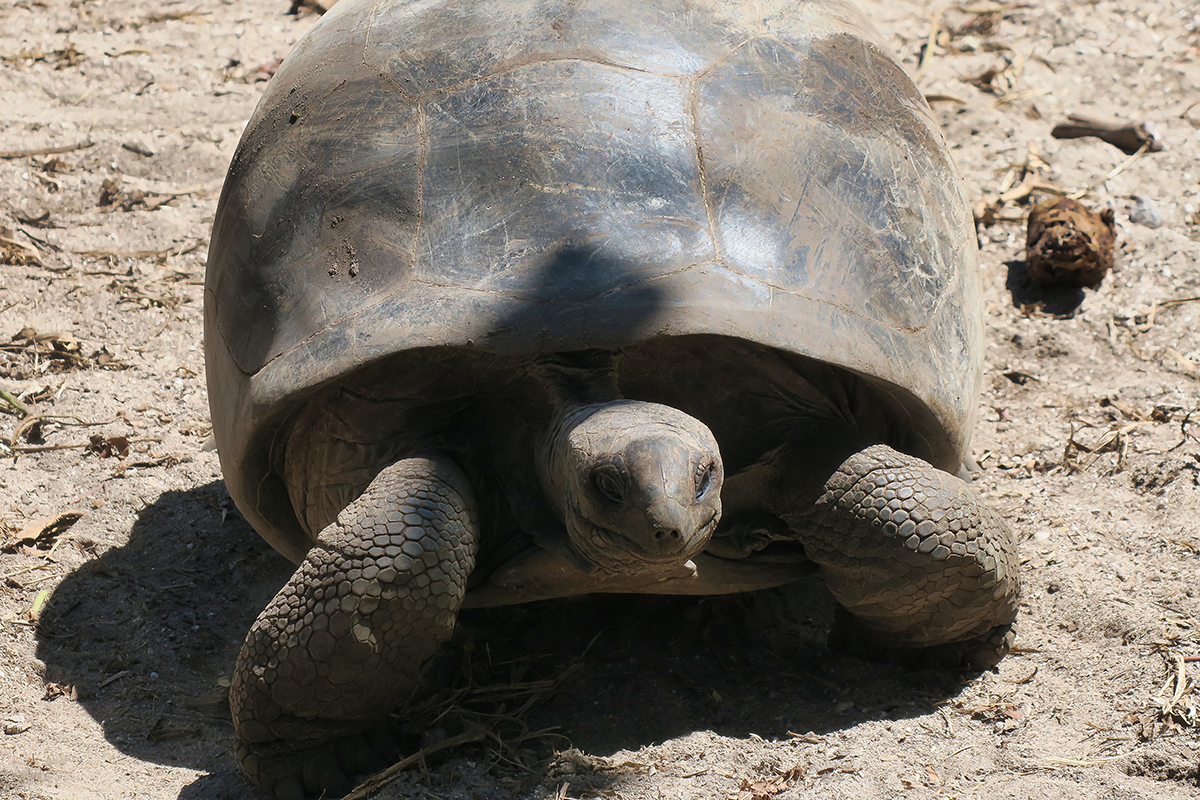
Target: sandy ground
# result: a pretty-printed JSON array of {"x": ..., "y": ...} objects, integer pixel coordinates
[{"x": 129, "y": 578}]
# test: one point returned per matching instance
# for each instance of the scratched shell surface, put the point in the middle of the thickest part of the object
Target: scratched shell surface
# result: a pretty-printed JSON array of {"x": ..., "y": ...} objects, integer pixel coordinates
[{"x": 526, "y": 176}]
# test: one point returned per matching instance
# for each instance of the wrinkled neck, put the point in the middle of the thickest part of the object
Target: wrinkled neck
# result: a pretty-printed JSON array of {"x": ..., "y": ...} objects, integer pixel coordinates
[{"x": 578, "y": 378}]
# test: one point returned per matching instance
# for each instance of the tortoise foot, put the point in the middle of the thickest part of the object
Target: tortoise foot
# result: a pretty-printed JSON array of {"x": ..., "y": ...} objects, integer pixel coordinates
[
  {"x": 286, "y": 772},
  {"x": 849, "y": 637},
  {"x": 919, "y": 560},
  {"x": 342, "y": 644}
]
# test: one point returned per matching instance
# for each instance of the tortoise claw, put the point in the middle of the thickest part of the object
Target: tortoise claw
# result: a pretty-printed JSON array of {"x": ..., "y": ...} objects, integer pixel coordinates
[
  {"x": 323, "y": 771},
  {"x": 977, "y": 654},
  {"x": 289, "y": 788}
]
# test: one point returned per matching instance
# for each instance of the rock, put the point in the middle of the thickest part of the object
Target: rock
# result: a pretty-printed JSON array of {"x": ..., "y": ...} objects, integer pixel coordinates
[
  {"x": 15, "y": 724},
  {"x": 1145, "y": 213}
]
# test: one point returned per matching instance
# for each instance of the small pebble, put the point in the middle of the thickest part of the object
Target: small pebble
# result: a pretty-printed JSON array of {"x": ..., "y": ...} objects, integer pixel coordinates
[{"x": 1145, "y": 213}]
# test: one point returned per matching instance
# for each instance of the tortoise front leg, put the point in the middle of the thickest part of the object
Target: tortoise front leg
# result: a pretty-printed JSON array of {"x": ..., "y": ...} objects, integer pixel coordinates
[
  {"x": 344, "y": 640},
  {"x": 909, "y": 551}
]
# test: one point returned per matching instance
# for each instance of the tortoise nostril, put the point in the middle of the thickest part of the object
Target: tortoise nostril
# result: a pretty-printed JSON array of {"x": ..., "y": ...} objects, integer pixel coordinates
[{"x": 674, "y": 535}]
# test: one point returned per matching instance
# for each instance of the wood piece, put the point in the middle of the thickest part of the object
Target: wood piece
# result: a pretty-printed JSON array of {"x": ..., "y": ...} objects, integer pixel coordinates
[
  {"x": 1128, "y": 137},
  {"x": 317, "y": 6},
  {"x": 46, "y": 151}
]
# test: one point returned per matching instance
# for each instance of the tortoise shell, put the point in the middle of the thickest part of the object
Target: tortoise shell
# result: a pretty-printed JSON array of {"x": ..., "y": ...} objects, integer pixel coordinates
[{"x": 519, "y": 177}]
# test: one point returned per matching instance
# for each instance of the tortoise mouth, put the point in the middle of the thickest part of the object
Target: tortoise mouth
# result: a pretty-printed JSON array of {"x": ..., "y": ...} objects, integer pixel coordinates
[{"x": 611, "y": 550}]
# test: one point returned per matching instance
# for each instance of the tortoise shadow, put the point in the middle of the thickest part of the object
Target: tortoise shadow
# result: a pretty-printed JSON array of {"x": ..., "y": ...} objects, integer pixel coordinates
[
  {"x": 1059, "y": 301},
  {"x": 147, "y": 632},
  {"x": 654, "y": 667}
]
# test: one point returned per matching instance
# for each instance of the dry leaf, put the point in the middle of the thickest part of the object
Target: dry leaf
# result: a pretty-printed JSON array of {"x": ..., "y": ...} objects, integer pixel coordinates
[{"x": 41, "y": 533}]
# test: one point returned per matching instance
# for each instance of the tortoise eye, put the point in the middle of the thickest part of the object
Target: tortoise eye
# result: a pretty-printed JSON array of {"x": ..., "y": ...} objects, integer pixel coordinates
[
  {"x": 609, "y": 486},
  {"x": 704, "y": 481}
]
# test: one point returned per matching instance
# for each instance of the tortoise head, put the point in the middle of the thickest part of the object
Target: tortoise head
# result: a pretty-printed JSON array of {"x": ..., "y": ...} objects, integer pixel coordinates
[{"x": 637, "y": 484}]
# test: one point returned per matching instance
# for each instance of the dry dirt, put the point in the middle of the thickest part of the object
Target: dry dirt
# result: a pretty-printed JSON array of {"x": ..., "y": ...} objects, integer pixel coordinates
[{"x": 121, "y": 620}]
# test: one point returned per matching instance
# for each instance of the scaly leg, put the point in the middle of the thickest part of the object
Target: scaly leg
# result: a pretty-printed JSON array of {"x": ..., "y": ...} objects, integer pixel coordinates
[
  {"x": 344, "y": 641},
  {"x": 909, "y": 551}
]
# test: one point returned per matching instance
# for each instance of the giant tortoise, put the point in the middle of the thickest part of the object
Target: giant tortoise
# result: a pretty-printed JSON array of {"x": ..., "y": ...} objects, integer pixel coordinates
[{"x": 513, "y": 300}]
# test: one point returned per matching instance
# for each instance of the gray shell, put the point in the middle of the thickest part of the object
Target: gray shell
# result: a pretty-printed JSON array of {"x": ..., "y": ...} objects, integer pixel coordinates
[{"x": 517, "y": 176}]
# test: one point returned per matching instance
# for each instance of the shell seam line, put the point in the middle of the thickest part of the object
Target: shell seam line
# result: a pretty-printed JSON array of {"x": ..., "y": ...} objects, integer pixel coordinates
[
  {"x": 422, "y": 165},
  {"x": 513, "y": 67},
  {"x": 838, "y": 306},
  {"x": 362, "y": 55},
  {"x": 702, "y": 171},
  {"x": 516, "y": 65},
  {"x": 701, "y": 166}
]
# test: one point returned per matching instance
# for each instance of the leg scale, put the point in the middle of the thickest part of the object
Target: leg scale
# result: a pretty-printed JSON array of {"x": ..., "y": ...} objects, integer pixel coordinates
[{"x": 344, "y": 640}]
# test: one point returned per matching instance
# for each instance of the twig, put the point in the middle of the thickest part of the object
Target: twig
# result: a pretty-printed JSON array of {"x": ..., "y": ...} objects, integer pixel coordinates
[
  {"x": 15, "y": 403},
  {"x": 944, "y": 98},
  {"x": 23, "y": 570},
  {"x": 1086, "y": 762},
  {"x": 143, "y": 254},
  {"x": 156, "y": 332},
  {"x": 36, "y": 581},
  {"x": 109, "y": 680},
  {"x": 180, "y": 16},
  {"x": 935, "y": 27},
  {"x": 1188, "y": 110},
  {"x": 44, "y": 448},
  {"x": 1183, "y": 431},
  {"x": 1027, "y": 678},
  {"x": 1114, "y": 172},
  {"x": 46, "y": 151},
  {"x": 1027, "y": 187},
  {"x": 1178, "y": 302},
  {"x": 1009, "y": 98},
  {"x": 381, "y": 779},
  {"x": 960, "y": 750},
  {"x": 130, "y": 52},
  {"x": 31, "y": 420}
]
